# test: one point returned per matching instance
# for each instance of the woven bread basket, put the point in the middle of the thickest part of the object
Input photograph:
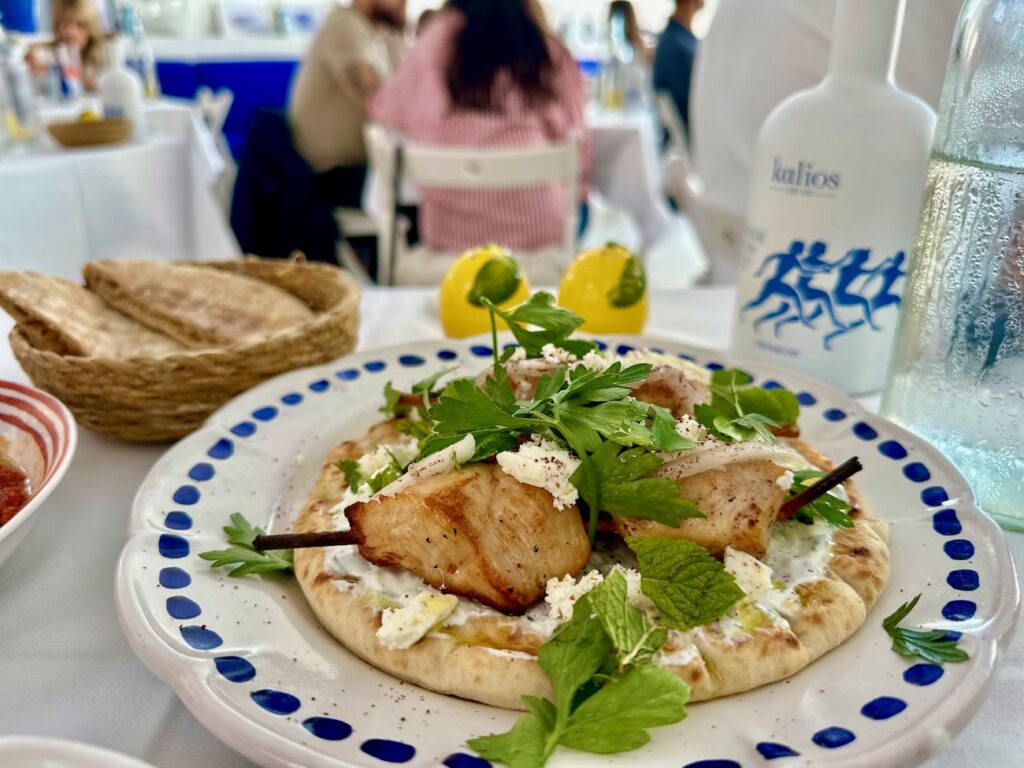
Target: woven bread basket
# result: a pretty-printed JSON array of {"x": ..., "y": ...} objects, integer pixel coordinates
[
  {"x": 156, "y": 399},
  {"x": 93, "y": 133}
]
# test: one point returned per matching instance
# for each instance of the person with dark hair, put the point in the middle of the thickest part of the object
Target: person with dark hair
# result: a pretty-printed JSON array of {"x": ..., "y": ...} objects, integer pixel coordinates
[
  {"x": 673, "y": 59},
  {"x": 624, "y": 9},
  {"x": 486, "y": 74}
]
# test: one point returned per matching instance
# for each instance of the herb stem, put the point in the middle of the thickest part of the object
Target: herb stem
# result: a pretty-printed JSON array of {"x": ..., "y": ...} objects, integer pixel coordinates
[{"x": 836, "y": 477}]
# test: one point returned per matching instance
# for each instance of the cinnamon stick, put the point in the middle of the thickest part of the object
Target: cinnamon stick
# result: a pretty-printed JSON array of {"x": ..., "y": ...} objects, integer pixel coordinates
[
  {"x": 264, "y": 542},
  {"x": 836, "y": 477}
]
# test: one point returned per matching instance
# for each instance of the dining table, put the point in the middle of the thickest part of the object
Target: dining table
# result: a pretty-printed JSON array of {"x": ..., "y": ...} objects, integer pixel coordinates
[{"x": 66, "y": 670}]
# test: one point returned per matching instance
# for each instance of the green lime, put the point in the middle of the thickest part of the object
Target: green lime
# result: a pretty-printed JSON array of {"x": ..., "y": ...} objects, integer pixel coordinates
[
  {"x": 632, "y": 284},
  {"x": 497, "y": 280}
]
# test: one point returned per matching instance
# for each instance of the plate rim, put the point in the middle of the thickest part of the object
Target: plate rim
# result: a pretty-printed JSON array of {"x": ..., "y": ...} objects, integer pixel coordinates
[{"x": 241, "y": 733}]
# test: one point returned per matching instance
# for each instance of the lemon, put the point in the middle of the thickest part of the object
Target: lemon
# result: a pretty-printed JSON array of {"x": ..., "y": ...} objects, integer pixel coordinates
[
  {"x": 607, "y": 287},
  {"x": 88, "y": 116},
  {"x": 488, "y": 272}
]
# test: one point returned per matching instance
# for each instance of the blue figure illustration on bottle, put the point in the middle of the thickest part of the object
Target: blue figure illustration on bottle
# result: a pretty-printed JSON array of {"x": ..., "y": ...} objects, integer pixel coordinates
[{"x": 836, "y": 297}]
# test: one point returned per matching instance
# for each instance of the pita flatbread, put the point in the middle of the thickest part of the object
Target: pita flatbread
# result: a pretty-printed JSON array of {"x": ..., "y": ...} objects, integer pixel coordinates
[
  {"x": 197, "y": 306},
  {"x": 492, "y": 658},
  {"x": 63, "y": 317}
]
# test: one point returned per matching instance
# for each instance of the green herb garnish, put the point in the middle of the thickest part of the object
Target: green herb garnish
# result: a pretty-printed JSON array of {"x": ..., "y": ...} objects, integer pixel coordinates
[
  {"x": 740, "y": 412},
  {"x": 241, "y": 534},
  {"x": 832, "y": 509},
  {"x": 398, "y": 404},
  {"x": 932, "y": 645},
  {"x": 555, "y": 325},
  {"x": 351, "y": 471},
  {"x": 607, "y": 693}
]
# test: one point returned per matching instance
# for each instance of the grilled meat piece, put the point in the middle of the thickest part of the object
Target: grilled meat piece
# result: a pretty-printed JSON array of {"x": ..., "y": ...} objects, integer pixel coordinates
[
  {"x": 740, "y": 500},
  {"x": 476, "y": 532},
  {"x": 672, "y": 389}
]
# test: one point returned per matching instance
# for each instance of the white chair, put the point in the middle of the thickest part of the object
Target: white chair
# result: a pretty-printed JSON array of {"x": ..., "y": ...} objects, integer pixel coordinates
[
  {"x": 215, "y": 108},
  {"x": 396, "y": 161},
  {"x": 720, "y": 232}
]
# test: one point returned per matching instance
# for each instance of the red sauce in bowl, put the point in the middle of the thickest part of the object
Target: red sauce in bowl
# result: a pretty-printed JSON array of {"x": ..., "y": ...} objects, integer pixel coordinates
[{"x": 14, "y": 491}]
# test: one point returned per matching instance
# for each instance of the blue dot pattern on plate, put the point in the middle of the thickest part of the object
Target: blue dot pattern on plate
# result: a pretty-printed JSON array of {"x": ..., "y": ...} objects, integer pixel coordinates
[
  {"x": 172, "y": 547},
  {"x": 946, "y": 523},
  {"x": 481, "y": 350},
  {"x": 221, "y": 450},
  {"x": 684, "y": 356},
  {"x": 375, "y": 366},
  {"x": 892, "y": 449},
  {"x": 462, "y": 760},
  {"x": 883, "y": 708},
  {"x": 267, "y": 413},
  {"x": 293, "y": 398},
  {"x": 831, "y": 738},
  {"x": 182, "y": 608},
  {"x": 178, "y": 521},
  {"x": 935, "y": 496},
  {"x": 349, "y": 374},
  {"x": 235, "y": 668},
  {"x": 916, "y": 472},
  {"x": 244, "y": 429},
  {"x": 624, "y": 349},
  {"x": 922, "y": 674},
  {"x": 411, "y": 361},
  {"x": 834, "y": 414},
  {"x": 447, "y": 354},
  {"x": 864, "y": 431},
  {"x": 713, "y": 764},
  {"x": 174, "y": 578},
  {"x": 715, "y": 367},
  {"x": 201, "y": 472},
  {"x": 769, "y": 384},
  {"x": 186, "y": 495},
  {"x": 327, "y": 728},
  {"x": 963, "y": 580},
  {"x": 959, "y": 549},
  {"x": 388, "y": 751},
  {"x": 806, "y": 398},
  {"x": 320, "y": 385},
  {"x": 276, "y": 702},
  {"x": 959, "y": 610},
  {"x": 201, "y": 638},
  {"x": 772, "y": 751}
]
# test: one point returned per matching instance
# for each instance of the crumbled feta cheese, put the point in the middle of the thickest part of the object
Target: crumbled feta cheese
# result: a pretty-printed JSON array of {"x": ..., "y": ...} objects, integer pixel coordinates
[
  {"x": 691, "y": 370},
  {"x": 691, "y": 429},
  {"x": 637, "y": 598},
  {"x": 369, "y": 465},
  {"x": 785, "y": 480},
  {"x": 401, "y": 628},
  {"x": 541, "y": 463},
  {"x": 556, "y": 355},
  {"x": 752, "y": 576},
  {"x": 597, "y": 361},
  {"x": 517, "y": 354},
  {"x": 563, "y": 593}
]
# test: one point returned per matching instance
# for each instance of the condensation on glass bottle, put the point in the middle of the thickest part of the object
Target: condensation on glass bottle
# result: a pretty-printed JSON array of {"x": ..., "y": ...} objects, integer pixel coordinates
[{"x": 957, "y": 372}]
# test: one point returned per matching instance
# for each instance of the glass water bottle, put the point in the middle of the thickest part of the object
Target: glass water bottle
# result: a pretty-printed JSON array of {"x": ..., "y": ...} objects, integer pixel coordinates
[{"x": 957, "y": 373}]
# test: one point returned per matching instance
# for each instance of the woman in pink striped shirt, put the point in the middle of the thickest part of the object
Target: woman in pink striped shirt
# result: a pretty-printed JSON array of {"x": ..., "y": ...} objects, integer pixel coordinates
[{"x": 485, "y": 73}]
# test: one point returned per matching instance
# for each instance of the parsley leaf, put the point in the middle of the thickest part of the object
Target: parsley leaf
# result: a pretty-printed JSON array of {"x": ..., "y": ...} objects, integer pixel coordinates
[
  {"x": 246, "y": 559},
  {"x": 525, "y": 746},
  {"x": 687, "y": 585},
  {"x": 386, "y": 476},
  {"x": 554, "y": 323},
  {"x": 613, "y": 480},
  {"x": 832, "y": 509},
  {"x": 398, "y": 403},
  {"x": 931, "y": 645},
  {"x": 664, "y": 434},
  {"x": 352, "y": 475}
]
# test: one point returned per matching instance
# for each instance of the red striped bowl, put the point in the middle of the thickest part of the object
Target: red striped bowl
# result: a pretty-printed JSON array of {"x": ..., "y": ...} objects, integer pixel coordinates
[{"x": 39, "y": 435}]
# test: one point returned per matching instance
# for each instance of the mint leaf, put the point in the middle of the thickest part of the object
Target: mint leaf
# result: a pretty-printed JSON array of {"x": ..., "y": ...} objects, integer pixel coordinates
[
  {"x": 933, "y": 645},
  {"x": 574, "y": 653},
  {"x": 351, "y": 470},
  {"x": 739, "y": 412},
  {"x": 615, "y": 718},
  {"x": 242, "y": 555},
  {"x": 634, "y": 639},
  {"x": 525, "y": 746},
  {"x": 687, "y": 585}
]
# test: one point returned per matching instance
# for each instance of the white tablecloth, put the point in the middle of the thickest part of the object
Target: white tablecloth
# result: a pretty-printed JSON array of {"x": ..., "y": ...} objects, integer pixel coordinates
[
  {"x": 146, "y": 199},
  {"x": 66, "y": 670}
]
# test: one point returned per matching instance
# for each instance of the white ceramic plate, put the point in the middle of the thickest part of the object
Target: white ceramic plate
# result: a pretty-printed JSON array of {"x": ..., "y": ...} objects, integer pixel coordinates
[
  {"x": 39, "y": 435},
  {"x": 249, "y": 659},
  {"x": 42, "y": 752}
]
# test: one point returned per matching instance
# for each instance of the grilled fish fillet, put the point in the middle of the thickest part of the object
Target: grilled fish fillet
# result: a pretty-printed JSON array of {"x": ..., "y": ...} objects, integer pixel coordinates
[
  {"x": 476, "y": 532},
  {"x": 740, "y": 501}
]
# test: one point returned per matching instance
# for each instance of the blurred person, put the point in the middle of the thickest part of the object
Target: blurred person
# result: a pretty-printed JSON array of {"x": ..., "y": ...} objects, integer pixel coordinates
[
  {"x": 486, "y": 73},
  {"x": 78, "y": 26},
  {"x": 673, "y": 59},
  {"x": 355, "y": 49},
  {"x": 758, "y": 53},
  {"x": 644, "y": 53}
]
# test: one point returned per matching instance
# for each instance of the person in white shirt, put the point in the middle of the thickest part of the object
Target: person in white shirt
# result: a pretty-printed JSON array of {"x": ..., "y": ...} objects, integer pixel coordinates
[{"x": 758, "y": 52}]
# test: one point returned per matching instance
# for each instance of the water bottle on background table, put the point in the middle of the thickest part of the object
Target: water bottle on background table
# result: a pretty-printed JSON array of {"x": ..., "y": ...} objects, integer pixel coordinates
[
  {"x": 835, "y": 195},
  {"x": 957, "y": 373}
]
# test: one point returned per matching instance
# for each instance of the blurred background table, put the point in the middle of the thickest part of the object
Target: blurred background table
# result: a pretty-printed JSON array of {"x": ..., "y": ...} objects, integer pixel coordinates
[
  {"x": 149, "y": 198},
  {"x": 66, "y": 669}
]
